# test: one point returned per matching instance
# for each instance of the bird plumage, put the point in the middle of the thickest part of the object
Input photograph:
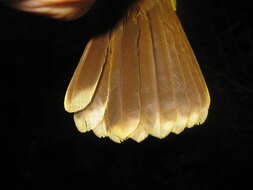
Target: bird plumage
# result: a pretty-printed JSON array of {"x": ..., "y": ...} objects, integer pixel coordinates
[{"x": 139, "y": 79}]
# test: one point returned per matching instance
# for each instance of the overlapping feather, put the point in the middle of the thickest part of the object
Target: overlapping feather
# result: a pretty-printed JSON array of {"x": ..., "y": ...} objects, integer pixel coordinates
[{"x": 140, "y": 79}]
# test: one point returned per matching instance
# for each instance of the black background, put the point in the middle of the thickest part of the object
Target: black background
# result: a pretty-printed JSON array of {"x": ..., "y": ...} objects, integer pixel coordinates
[{"x": 43, "y": 149}]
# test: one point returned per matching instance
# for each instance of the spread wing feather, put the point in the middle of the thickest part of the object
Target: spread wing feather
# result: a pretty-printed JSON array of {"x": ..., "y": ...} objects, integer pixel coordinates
[{"x": 145, "y": 78}]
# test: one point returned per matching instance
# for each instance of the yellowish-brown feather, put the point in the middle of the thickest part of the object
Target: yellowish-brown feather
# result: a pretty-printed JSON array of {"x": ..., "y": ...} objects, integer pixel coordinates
[
  {"x": 151, "y": 83},
  {"x": 85, "y": 79}
]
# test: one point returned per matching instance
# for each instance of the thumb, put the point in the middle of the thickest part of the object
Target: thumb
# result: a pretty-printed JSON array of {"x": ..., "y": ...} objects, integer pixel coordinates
[{"x": 57, "y": 9}]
